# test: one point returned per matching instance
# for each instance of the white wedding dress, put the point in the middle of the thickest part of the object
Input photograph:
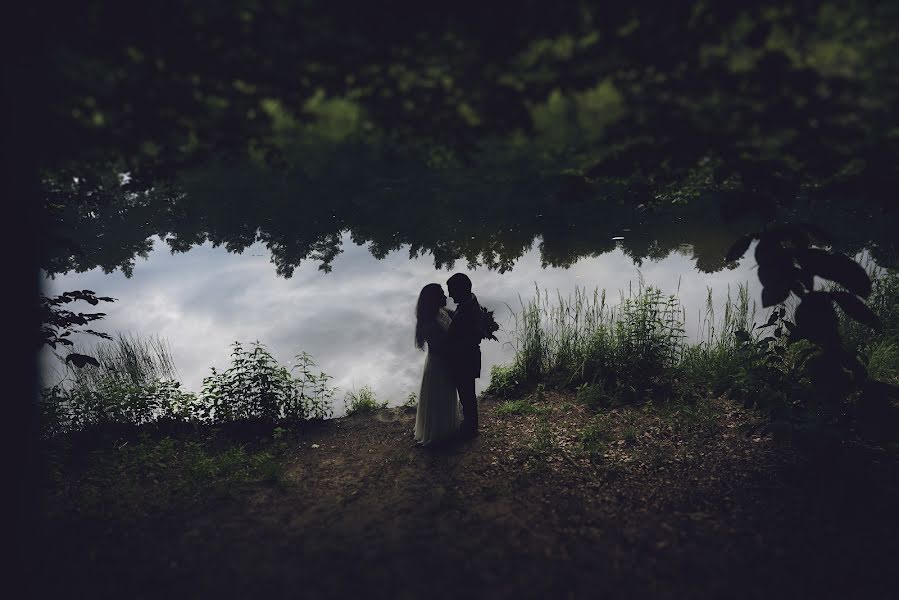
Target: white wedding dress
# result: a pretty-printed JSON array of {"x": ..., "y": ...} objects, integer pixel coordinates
[{"x": 439, "y": 411}]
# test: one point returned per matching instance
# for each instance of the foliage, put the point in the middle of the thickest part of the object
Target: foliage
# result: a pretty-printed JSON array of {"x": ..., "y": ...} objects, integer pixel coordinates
[
  {"x": 839, "y": 389},
  {"x": 545, "y": 442},
  {"x": 596, "y": 437},
  {"x": 630, "y": 348},
  {"x": 517, "y": 407},
  {"x": 255, "y": 386},
  {"x": 149, "y": 473},
  {"x": 593, "y": 395},
  {"x": 506, "y": 381},
  {"x": 113, "y": 401},
  {"x": 58, "y": 324},
  {"x": 130, "y": 387},
  {"x": 125, "y": 358},
  {"x": 134, "y": 381},
  {"x": 636, "y": 351},
  {"x": 568, "y": 123},
  {"x": 363, "y": 401}
]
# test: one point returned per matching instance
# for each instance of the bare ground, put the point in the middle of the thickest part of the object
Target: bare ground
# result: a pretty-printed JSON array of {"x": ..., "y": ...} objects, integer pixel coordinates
[{"x": 663, "y": 505}]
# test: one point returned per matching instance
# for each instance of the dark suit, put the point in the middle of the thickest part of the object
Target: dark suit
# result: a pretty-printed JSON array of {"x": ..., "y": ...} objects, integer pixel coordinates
[{"x": 464, "y": 346}]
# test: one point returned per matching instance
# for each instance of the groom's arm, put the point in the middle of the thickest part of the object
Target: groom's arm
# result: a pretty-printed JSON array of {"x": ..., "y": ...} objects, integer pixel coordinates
[{"x": 469, "y": 330}]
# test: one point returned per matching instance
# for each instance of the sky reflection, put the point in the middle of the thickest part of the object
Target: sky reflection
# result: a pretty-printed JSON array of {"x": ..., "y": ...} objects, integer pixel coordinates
[{"x": 358, "y": 320}]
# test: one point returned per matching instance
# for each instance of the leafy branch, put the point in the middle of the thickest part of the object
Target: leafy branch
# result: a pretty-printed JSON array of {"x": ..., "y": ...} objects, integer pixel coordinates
[{"x": 58, "y": 324}]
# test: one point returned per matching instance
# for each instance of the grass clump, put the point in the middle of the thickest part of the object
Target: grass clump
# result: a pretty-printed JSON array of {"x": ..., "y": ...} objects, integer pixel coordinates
[
  {"x": 632, "y": 351},
  {"x": 595, "y": 438},
  {"x": 545, "y": 442},
  {"x": 363, "y": 401},
  {"x": 517, "y": 407},
  {"x": 506, "y": 381},
  {"x": 593, "y": 395}
]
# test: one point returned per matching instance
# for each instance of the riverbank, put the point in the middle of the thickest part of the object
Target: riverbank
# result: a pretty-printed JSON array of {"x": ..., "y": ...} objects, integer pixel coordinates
[{"x": 554, "y": 499}]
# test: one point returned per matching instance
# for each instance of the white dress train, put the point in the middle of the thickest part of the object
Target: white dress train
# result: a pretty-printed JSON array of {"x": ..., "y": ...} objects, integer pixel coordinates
[{"x": 439, "y": 412}]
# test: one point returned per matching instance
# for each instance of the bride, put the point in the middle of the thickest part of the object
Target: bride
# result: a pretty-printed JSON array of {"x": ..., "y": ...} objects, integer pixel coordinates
[{"x": 439, "y": 412}]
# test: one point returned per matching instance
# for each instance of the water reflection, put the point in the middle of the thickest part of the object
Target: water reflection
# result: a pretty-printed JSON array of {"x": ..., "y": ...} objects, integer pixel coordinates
[
  {"x": 328, "y": 257},
  {"x": 489, "y": 215},
  {"x": 357, "y": 320}
]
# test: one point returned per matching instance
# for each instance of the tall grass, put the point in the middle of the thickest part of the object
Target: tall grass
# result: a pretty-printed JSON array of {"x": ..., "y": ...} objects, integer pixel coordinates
[
  {"x": 136, "y": 382},
  {"x": 636, "y": 345},
  {"x": 713, "y": 358},
  {"x": 638, "y": 348},
  {"x": 127, "y": 358}
]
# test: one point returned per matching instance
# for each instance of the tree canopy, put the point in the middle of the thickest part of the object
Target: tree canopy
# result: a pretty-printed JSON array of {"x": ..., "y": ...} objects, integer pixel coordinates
[{"x": 645, "y": 103}]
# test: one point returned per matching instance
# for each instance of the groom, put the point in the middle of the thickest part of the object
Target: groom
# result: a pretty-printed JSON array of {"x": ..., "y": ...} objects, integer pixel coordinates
[{"x": 464, "y": 349}]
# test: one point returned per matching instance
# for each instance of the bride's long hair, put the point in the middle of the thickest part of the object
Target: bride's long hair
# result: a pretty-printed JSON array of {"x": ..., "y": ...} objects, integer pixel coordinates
[{"x": 429, "y": 302}]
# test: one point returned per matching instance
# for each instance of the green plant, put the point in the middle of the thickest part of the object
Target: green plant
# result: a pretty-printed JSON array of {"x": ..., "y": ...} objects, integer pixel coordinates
[
  {"x": 506, "y": 380},
  {"x": 266, "y": 467},
  {"x": 113, "y": 400},
  {"x": 517, "y": 407},
  {"x": 411, "y": 400},
  {"x": 363, "y": 401},
  {"x": 839, "y": 391},
  {"x": 629, "y": 349},
  {"x": 593, "y": 395},
  {"x": 882, "y": 357},
  {"x": 132, "y": 385},
  {"x": 545, "y": 442},
  {"x": 595, "y": 438},
  {"x": 255, "y": 386}
]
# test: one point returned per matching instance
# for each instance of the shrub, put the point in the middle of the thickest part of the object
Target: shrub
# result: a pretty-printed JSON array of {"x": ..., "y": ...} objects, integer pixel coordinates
[
  {"x": 127, "y": 388},
  {"x": 257, "y": 387},
  {"x": 506, "y": 380}
]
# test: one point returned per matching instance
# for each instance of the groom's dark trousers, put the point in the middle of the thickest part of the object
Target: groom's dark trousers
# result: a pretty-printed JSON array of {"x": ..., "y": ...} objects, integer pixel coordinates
[
  {"x": 465, "y": 387},
  {"x": 464, "y": 341}
]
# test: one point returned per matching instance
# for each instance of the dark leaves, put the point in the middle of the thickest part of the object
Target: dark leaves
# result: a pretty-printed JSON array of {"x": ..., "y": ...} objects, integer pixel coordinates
[
  {"x": 857, "y": 309},
  {"x": 836, "y": 267},
  {"x": 740, "y": 247},
  {"x": 774, "y": 293},
  {"x": 776, "y": 271},
  {"x": 82, "y": 360},
  {"x": 816, "y": 320}
]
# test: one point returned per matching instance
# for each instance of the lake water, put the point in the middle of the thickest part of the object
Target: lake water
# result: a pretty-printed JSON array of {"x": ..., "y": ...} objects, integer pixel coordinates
[
  {"x": 357, "y": 320},
  {"x": 328, "y": 257}
]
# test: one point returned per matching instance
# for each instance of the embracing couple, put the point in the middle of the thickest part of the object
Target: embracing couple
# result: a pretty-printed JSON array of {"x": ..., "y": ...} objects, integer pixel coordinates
[{"x": 453, "y": 362}]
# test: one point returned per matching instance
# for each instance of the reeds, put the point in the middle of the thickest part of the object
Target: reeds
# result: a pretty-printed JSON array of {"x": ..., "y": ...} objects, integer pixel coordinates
[
  {"x": 127, "y": 358},
  {"x": 582, "y": 339}
]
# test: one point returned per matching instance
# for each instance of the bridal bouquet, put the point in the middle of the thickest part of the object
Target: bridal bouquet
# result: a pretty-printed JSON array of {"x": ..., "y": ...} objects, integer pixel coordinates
[{"x": 488, "y": 325}]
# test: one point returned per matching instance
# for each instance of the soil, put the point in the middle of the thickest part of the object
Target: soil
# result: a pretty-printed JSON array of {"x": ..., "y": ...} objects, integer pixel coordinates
[{"x": 663, "y": 507}]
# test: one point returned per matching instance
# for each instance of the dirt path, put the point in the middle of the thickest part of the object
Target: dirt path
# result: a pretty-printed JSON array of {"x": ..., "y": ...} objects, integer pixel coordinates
[{"x": 521, "y": 511}]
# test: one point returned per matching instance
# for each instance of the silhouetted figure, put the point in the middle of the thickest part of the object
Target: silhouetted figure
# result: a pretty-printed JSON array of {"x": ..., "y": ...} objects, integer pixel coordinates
[
  {"x": 464, "y": 344},
  {"x": 438, "y": 415}
]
